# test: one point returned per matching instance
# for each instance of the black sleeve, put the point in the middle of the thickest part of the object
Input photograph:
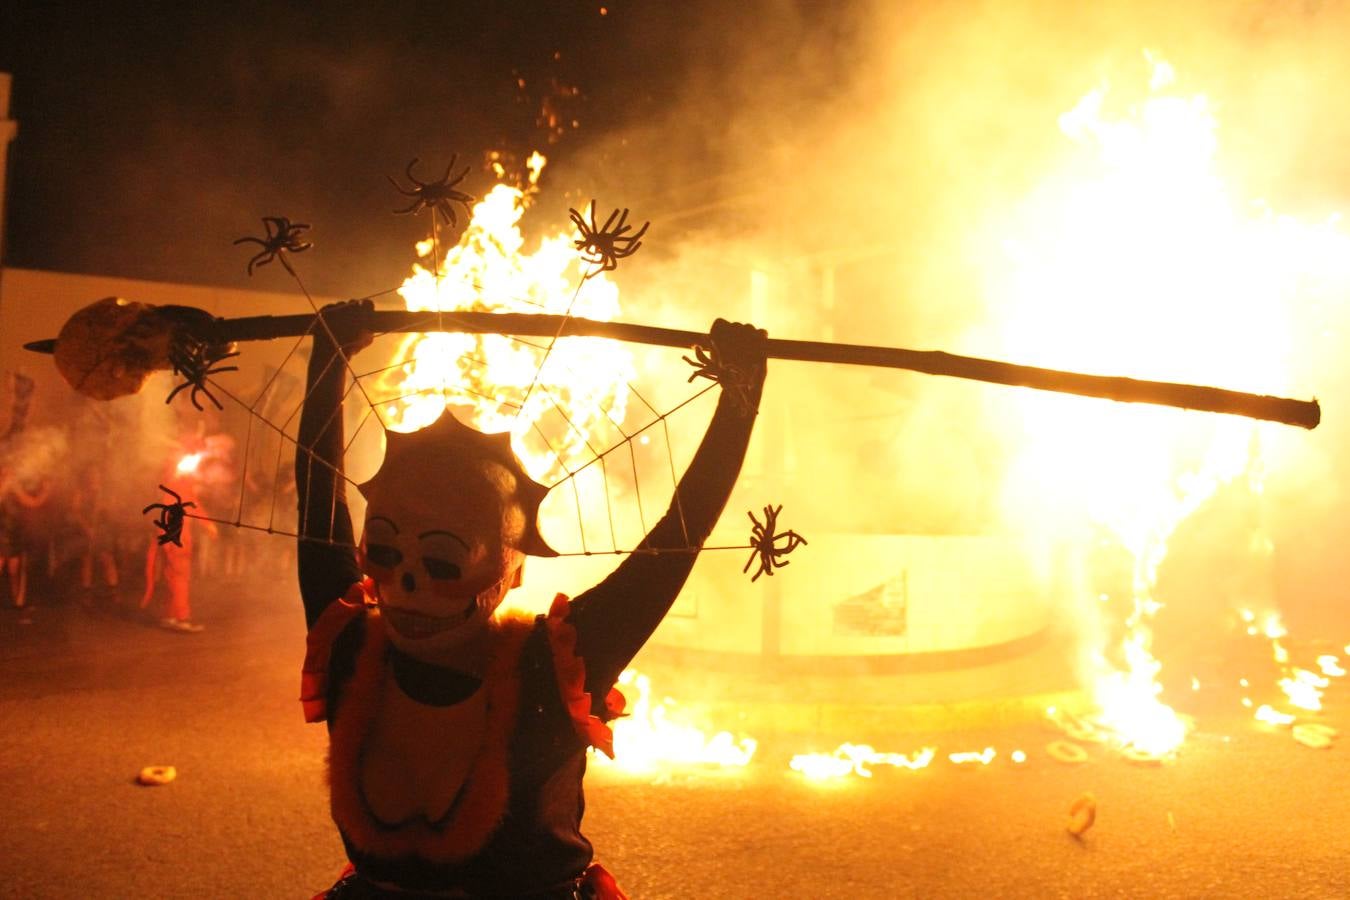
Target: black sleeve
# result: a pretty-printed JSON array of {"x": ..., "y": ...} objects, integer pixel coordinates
[
  {"x": 616, "y": 617},
  {"x": 326, "y": 555}
]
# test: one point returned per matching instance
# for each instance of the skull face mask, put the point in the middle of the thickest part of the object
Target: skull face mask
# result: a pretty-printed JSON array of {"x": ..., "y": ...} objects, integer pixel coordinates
[{"x": 449, "y": 520}]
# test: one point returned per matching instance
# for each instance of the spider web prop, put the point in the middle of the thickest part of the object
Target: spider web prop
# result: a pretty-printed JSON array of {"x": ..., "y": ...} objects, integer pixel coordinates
[{"x": 611, "y": 471}]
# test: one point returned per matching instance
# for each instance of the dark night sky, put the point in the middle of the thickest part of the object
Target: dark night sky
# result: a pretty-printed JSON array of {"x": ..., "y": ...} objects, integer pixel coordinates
[{"x": 152, "y": 135}]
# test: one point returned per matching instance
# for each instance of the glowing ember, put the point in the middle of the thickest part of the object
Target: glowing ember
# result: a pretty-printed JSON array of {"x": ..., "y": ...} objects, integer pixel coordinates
[
  {"x": 1129, "y": 263},
  {"x": 190, "y": 463},
  {"x": 1304, "y": 688},
  {"x": 983, "y": 757},
  {"x": 1280, "y": 654},
  {"x": 826, "y": 766},
  {"x": 855, "y": 759},
  {"x": 573, "y": 396},
  {"x": 646, "y": 738},
  {"x": 1272, "y": 716},
  {"x": 1270, "y": 625}
]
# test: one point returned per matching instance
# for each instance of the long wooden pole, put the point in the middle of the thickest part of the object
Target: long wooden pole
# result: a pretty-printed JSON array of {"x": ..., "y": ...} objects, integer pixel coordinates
[
  {"x": 1305, "y": 414},
  {"x": 1302, "y": 413}
]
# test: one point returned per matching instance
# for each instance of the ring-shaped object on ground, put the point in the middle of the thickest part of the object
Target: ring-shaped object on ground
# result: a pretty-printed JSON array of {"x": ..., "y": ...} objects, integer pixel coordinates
[
  {"x": 1066, "y": 752},
  {"x": 152, "y": 776},
  {"x": 1082, "y": 814}
]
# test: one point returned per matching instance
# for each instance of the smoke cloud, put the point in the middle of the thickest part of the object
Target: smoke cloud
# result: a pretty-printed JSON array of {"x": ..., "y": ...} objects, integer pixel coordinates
[{"x": 845, "y": 175}]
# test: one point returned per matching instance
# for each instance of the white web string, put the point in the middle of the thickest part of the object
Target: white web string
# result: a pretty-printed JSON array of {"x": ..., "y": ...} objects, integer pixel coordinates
[
  {"x": 319, "y": 318},
  {"x": 567, "y": 314},
  {"x": 599, "y": 456},
  {"x": 373, "y": 403}
]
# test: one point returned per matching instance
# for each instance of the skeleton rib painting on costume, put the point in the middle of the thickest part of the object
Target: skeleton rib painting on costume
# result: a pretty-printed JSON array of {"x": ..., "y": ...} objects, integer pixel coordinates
[{"x": 459, "y": 725}]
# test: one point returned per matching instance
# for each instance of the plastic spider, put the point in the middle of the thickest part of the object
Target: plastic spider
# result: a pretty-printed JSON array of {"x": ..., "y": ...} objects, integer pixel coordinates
[
  {"x": 605, "y": 246},
  {"x": 437, "y": 195},
  {"x": 195, "y": 361},
  {"x": 707, "y": 363},
  {"x": 766, "y": 543},
  {"x": 282, "y": 234},
  {"x": 170, "y": 519}
]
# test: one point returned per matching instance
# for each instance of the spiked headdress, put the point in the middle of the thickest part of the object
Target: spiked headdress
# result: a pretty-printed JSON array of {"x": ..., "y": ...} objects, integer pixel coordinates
[{"x": 447, "y": 444}]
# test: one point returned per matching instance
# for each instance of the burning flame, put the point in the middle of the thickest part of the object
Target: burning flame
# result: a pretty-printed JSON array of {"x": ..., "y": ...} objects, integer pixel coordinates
[
  {"x": 1268, "y": 714},
  {"x": 190, "y": 462},
  {"x": 1331, "y": 666},
  {"x": 647, "y": 738},
  {"x": 1142, "y": 246},
  {"x": 856, "y": 759},
  {"x": 983, "y": 757},
  {"x": 1302, "y": 687},
  {"x": 556, "y": 402}
]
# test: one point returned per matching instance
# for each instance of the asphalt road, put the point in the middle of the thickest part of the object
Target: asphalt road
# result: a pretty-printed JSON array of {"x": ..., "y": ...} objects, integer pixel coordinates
[{"x": 86, "y": 701}]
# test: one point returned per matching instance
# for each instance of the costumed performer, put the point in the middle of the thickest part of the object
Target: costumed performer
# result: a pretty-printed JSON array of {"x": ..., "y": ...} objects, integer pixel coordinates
[{"x": 458, "y": 736}]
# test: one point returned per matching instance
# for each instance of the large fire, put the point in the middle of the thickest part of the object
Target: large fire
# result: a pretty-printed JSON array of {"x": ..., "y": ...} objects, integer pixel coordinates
[{"x": 1138, "y": 260}]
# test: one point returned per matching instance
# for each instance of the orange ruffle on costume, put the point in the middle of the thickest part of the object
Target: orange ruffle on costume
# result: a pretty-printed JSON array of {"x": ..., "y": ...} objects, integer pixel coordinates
[
  {"x": 467, "y": 833},
  {"x": 602, "y": 884},
  {"x": 319, "y": 647},
  {"x": 570, "y": 671}
]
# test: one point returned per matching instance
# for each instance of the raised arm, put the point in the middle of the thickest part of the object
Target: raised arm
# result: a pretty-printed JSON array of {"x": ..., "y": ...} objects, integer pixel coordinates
[
  {"x": 616, "y": 617},
  {"x": 327, "y": 560}
]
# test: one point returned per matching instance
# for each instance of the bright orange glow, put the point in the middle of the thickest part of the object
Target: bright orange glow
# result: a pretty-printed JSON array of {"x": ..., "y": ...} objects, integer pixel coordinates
[
  {"x": 1331, "y": 666},
  {"x": 983, "y": 757},
  {"x": 856, "y": 759},
  {"x": 556, "y": 403},
  {"x": 1271, "y": 716},
  {"x": 189, "y": 464},
  {"x": 648, "y": 737},
  {"x": 1301, "y": 686},
  {"x": 1304, "y": 688},
  {"x": 1137, "y": 260}
]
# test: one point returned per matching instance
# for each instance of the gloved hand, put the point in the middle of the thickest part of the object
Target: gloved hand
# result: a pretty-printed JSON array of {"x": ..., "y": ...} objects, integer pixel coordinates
[
  {"x": 740, "y": 348},
  {"x": 735, "y": 358},
  {"x": 347, "y": 322}
]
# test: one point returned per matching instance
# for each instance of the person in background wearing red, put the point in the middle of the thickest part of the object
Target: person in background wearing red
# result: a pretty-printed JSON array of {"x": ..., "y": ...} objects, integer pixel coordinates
[
  {"x": 17, "y": 498},
  {"x": 172, "y": 561}
]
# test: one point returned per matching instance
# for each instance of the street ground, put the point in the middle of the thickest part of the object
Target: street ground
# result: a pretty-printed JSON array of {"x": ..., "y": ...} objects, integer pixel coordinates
[{"x": 88, "y": 699}]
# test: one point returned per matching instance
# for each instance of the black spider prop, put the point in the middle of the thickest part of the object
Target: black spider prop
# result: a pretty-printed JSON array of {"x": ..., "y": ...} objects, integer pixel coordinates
[
  {"x": 170, "y": 519},
  {"x": 770, "y": 546},
  {"x": 195, "y": 361},
  {"x": 282, "y": 235},
  {"x": 435, "y": 195},
  {"x": 605, "y": 245},
  {"x": 708, "y": 363}
]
